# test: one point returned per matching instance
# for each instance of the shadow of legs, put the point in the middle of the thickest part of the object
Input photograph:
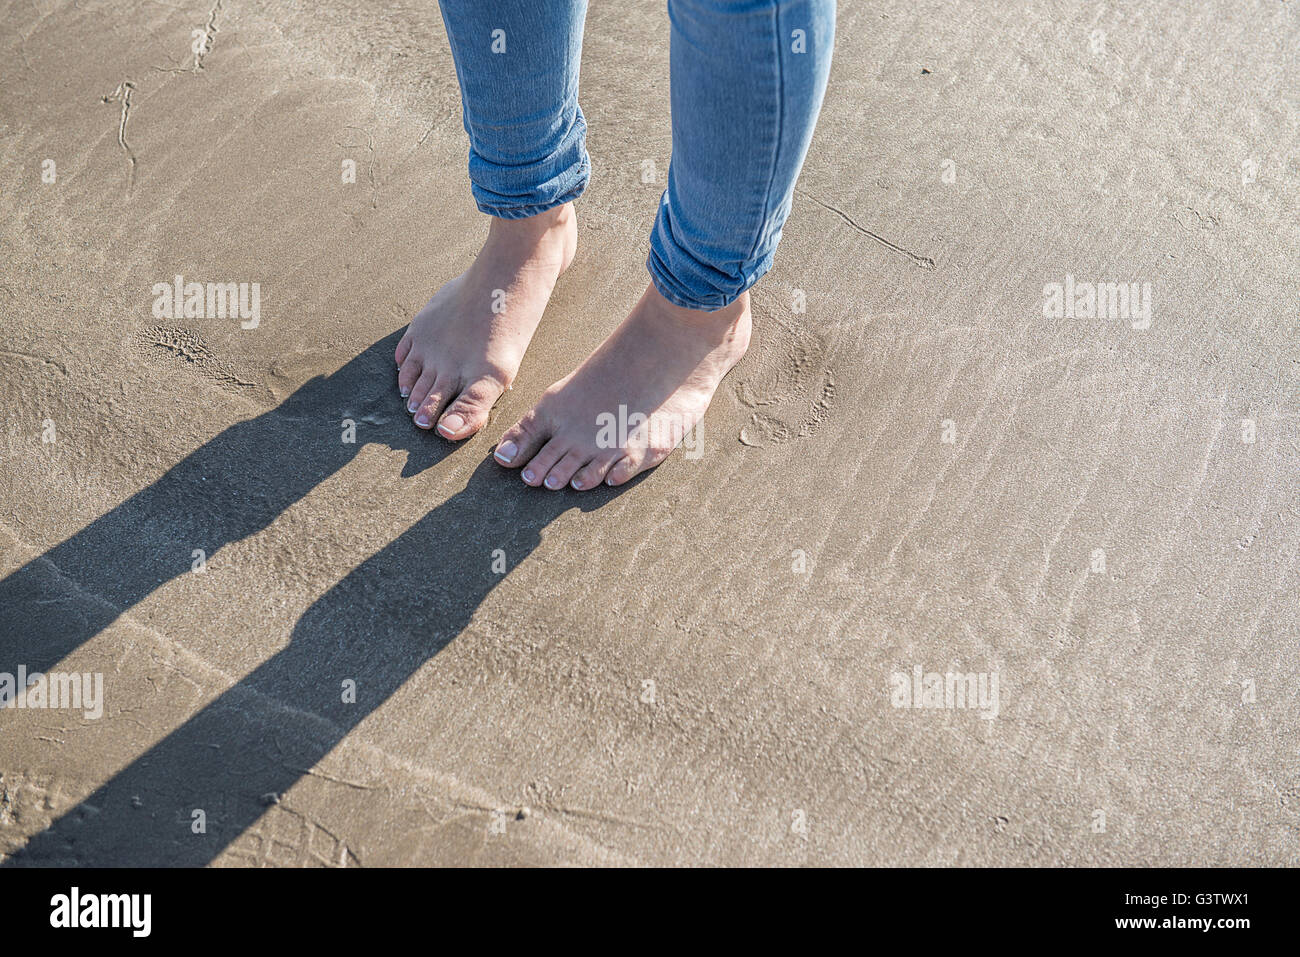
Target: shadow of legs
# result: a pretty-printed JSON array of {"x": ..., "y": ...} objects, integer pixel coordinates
[
  {"x": 376, "y": 627},
  {"x": 233, "y": 486}
]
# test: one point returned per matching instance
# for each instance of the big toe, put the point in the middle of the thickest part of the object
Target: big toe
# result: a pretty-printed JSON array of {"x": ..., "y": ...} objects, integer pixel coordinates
[
  {"x": 519, "y": 443},
  {"x": 469, "y": 412}
]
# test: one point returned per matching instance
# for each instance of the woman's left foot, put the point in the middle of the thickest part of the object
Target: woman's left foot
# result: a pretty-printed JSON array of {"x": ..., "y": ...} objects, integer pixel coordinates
[{"x": 633, "y": 400}]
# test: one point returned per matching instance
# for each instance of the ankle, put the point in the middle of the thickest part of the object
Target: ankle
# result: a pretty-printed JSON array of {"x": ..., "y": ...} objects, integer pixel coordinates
[
  {"x": 730, "y": 317},
  {"x": 557, "y": 219},
  {"x": 549, "y": 237}
]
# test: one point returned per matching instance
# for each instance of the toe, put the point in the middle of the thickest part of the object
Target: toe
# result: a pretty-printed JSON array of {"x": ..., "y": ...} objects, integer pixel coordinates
[
  {"x": 543, "y": 462},
  {"x": 404, "y": 348},
  {"x": 409, "y": 374},
  {"x": 469, "y": 412},
  {"x": 520, "y": 442},
  {"x": 636, "y": 460},
  {"x": 434, "y": 402},
  {"x": 563, "y": 470},
  {"x": 593, "y": 473},
  {"x": 623, "y": 470},
  {"x": 421, "y": 389}
]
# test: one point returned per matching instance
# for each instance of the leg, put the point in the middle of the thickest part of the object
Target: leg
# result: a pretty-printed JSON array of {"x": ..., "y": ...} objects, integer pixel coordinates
[
  {"x": 517, "y": 63},
  {"x": 748, "y": 78}
]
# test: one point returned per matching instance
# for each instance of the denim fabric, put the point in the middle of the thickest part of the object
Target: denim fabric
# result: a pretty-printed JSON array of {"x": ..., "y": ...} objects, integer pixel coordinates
[
  {"x": 517, "y": 62},
  {"x": 748, "y": 77}
]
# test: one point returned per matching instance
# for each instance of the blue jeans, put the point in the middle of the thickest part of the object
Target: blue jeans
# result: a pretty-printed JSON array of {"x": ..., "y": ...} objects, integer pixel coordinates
[{"x": 748, "y": 78}]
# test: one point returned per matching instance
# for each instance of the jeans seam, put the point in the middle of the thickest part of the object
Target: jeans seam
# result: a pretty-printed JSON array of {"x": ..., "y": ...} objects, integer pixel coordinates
[{"x": 780, "y": 126}]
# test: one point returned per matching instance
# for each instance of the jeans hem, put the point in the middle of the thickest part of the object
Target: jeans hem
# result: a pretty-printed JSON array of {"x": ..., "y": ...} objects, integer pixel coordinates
[
  {"x": 534, "y": 209},
  {"x": 714, "y": 302}
]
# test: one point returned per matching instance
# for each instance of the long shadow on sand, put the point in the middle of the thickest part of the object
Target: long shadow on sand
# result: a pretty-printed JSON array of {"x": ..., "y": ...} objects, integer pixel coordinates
[{"x": 376, "y": 627}]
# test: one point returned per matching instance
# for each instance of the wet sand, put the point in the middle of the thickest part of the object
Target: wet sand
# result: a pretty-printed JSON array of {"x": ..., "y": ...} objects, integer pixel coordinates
[{"x": 913, "y": 467}]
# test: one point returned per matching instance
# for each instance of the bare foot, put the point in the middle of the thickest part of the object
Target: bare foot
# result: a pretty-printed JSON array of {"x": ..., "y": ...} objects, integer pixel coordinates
[
  {"x": 463, "y": 349},
  {"x": 631, "y": 401}
]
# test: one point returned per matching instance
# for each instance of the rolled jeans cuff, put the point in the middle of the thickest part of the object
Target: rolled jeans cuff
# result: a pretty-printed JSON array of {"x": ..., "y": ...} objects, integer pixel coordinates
[{"x": 560, "y": 190}]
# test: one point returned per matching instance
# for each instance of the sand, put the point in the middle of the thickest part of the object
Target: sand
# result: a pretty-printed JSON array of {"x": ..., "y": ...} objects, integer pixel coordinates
[{"x": 914, "y": 467}]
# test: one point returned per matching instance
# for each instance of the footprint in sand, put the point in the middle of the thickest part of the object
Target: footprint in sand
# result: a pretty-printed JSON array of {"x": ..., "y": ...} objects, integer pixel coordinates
[{"x": 792, "y": 393}]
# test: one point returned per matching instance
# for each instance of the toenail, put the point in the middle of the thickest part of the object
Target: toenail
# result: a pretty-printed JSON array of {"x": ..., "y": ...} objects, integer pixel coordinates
[
  {"x": 576, "y": 484},
  {"x": 404, "y": 391},
  {"x": 411, "y": 407},
  {"x": 506, "y": 452},
  {"x": 422, "y": 420},
  {"x": 551, "y": 482},
  {"x": 451, "y": 424},
  {"x": 528, "y": 475}
]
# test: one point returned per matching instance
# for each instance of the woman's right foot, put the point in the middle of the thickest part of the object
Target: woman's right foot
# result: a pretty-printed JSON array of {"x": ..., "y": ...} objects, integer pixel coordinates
[{"x": 463, "y": 349}]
